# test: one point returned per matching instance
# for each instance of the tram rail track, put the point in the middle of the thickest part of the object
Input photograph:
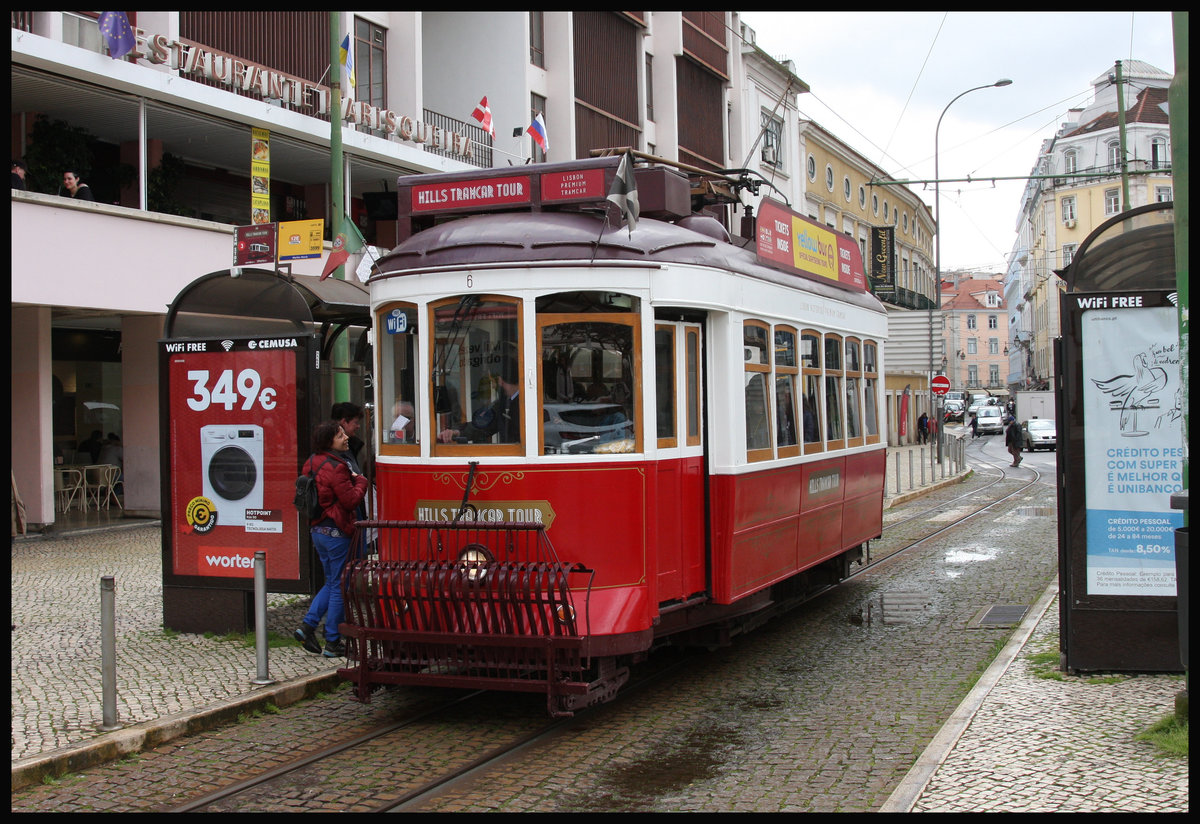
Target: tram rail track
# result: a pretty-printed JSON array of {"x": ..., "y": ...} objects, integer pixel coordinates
[{"x": 413, "y": 796}]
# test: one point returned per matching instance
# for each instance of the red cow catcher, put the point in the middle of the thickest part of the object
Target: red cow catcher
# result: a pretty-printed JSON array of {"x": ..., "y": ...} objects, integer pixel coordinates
[
  {"x": 592, "y": 442},
  {"x": 470, "y": 606}
]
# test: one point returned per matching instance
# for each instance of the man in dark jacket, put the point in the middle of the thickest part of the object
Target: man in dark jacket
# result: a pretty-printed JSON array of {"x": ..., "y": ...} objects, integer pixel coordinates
[{"x": 1013, "y": 440}]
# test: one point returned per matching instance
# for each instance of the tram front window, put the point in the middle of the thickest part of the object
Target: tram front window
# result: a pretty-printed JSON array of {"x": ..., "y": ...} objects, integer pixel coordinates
[
  {"x": 589, "y": 368},
  {"x": 477, "y": 375}
]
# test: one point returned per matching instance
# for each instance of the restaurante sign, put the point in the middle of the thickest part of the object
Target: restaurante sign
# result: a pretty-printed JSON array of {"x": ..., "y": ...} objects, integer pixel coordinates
[{"x": 219, "y": 67}]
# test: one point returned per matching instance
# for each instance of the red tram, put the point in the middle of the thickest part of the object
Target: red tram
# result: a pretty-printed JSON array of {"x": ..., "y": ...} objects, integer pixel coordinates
[{"x": 593, "y": 441}]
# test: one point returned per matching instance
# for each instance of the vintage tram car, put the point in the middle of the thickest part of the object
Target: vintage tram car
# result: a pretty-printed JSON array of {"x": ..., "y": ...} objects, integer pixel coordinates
[{"x": 595, "y": 438}]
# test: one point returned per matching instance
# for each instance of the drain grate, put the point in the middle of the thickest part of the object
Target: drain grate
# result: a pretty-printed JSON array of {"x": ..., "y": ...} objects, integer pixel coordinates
[{"x": 998, "y": 615}]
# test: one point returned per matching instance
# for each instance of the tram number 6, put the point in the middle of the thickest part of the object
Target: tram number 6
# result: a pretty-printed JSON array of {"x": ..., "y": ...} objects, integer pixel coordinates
[
  {"x": 470, "y": 281},
  {"x": 248, "y": 387}
]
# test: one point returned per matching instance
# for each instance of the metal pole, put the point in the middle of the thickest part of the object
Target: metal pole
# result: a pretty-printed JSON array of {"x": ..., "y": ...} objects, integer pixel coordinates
[
  {"x": 260, "y": 618},
  {"x": 937, "y": 239},
  {"x": 108, "y": 653}
]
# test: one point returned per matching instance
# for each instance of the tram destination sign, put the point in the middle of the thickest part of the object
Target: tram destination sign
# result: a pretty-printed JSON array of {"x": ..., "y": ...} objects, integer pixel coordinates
[{"x": 799, "y": 245}]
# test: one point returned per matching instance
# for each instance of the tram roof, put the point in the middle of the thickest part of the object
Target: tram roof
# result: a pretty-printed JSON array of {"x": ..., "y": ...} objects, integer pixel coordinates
[{"x": 578, "y": 237}]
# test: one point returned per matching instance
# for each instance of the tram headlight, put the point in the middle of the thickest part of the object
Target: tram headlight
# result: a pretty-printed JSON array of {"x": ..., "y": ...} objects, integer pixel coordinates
[{"x": 473, "y": 562}]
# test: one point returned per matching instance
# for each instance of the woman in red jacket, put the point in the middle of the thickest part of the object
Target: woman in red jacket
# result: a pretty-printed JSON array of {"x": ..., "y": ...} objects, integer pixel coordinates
[{"x": 340, "y": 490}]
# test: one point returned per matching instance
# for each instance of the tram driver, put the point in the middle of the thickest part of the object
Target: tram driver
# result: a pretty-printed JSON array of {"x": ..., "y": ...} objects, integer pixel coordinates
[{"x": 502, "y": 419}]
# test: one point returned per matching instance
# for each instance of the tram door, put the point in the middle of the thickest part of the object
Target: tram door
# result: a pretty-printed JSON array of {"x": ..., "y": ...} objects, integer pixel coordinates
[{"x": 680, "y": 467}]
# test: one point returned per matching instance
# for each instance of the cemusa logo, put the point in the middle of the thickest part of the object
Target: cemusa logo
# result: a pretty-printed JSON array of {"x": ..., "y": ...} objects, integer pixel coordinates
[{"x": 201, "y": 514}]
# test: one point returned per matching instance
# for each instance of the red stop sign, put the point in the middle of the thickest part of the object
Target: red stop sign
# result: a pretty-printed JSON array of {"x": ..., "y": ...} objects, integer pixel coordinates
[{"x": 940, "y": 385}]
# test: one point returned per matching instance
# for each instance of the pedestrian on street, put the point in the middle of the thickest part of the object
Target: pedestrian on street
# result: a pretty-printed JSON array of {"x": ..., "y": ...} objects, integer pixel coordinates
[
  {"x": 1013, "y": 440},
  {"x": 974, "y": 427},
  {"x": 923, "y": 428},
  {"x": 340, "y": 491}
]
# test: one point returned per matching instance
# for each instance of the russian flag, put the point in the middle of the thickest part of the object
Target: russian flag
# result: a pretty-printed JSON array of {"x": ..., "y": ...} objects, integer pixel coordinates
[{"x": 537, "y": 130}]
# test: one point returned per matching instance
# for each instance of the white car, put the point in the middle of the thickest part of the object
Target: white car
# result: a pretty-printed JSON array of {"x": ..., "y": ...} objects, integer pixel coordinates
[
  {"x": 1039, "y": 433},
  {"x": 576, "y": 428},
  {"x": 990, "y": 420}
]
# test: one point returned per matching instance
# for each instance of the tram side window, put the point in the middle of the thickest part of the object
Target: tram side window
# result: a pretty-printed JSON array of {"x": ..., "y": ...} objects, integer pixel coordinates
[
  {"x": 396, "y": 327},
  {"x": 786, "y": 371},
  {"x": 871, "y": 381},
  {"x": 757, "y": 368},
  {"x": 853, "y": 392},
  {"x": 664, "y": 385},
  {"x": 833, "y": 390},
  {"x": 810, "y": 359},
  {"x": 589, "y": 363},
  {"x": 476, "y": 371}
]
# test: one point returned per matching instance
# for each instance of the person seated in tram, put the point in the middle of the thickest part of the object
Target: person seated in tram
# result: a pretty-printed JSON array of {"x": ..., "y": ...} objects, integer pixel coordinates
[{"x": 501, "y": 420}]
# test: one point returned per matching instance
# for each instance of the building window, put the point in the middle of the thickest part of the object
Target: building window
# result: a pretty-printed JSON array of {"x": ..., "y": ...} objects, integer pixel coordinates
[
  {"x": 1114, "y": 156},
  {"x": 886, "y": 211},
  {"x": 650, "y": 87},
  {"x": 993, "y": 346},
  {"x": 973, "y": 377},
  {"x": 993, "y": 375},
  {"x": 1068, "y": 253},
  {"x": 537, "y": 38},
  {"x": 875, "y": 204},
  {"x": 972, "y": 346},
  {"x": 971, "y": 322},
  {"x": 537, "y": 104},
  {"x": 1159, "y": 158},
  {"x": 829, "y": 177},
  {"x": 1070, "y": 162},
  {"x": 1068, "y": 208},
  {"x": 812, "y": 168},
  {"x": 1112, "y": 201},
  {"x": 993, "y": 320},
  {"x": 370, "y": 62},
  {"x": 772, "y": 142},
  {"x": 862, "y": 197},
  {"x": 1163, "y": 194},
  {"x": 906, "y": 223}
]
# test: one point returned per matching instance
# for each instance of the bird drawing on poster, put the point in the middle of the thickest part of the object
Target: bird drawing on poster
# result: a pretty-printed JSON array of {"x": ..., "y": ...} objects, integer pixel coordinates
[{"x": 1132, "y": 393}]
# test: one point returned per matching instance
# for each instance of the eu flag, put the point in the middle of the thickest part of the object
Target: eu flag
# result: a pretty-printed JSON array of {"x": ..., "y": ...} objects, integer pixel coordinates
[{"x": 117, "y": 33}]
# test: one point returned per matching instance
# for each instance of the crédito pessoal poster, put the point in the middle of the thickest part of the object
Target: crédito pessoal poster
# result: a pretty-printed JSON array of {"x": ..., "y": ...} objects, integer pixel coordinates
[{"x": 1132, "y": 398}]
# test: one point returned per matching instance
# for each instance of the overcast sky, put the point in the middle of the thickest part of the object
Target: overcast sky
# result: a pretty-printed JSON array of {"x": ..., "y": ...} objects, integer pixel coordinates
[{"x": 880, "y": 80}]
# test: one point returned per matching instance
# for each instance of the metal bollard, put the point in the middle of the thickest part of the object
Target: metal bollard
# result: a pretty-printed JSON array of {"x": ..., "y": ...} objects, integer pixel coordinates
[
  {"x": 897, "y": 471},
  {"x": 260, "y": 618},
  {"x": 922, "y": 462},
  {"x": 910, "y": 469},
  {"x": 108, "y": 654}
]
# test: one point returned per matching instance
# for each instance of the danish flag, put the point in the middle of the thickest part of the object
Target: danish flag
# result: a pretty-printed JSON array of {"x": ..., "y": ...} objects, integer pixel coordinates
[{"x": 483, "y": 114}]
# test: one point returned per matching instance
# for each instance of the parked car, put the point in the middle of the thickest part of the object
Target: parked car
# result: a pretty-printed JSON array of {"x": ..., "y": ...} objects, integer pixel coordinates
[
  {"x": 1039, "y": 433},
  {"x": 990, "y": 420},
  {"x": 576, "y": 428}
]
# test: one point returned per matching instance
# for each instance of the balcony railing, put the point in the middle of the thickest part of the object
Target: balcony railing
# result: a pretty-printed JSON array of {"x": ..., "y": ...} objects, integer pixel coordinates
[{"x": 481, "y": 141}]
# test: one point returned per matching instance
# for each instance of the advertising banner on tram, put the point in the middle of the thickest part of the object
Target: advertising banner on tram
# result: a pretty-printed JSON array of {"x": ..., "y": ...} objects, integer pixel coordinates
[
  {"x": 233, "y": 453},
  {"x": 797, "y": 244},
  {"x": 1132, "y": 399}
]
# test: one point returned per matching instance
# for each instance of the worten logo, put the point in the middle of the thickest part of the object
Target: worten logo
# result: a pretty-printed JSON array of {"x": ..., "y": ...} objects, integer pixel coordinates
[{"x": 232, "y": 561}]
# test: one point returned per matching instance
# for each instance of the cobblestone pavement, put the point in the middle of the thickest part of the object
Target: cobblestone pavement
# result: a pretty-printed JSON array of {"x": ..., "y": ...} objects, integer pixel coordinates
[
  {"x": 56, "y": 685},
  {"x": 824, "y": 710}
]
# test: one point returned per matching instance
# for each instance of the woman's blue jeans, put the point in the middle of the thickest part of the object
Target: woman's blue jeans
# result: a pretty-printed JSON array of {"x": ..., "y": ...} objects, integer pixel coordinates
[{"x": 328, "y": 602}]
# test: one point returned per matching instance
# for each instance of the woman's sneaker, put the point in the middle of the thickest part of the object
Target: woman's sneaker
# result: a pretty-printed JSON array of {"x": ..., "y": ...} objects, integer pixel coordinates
[
  {"x": 307, "y": 636},
  {"x": 335, "y": 649}
]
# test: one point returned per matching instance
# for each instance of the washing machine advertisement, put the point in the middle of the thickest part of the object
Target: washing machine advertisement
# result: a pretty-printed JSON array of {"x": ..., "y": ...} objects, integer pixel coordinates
[{"x": 233, "y": 449}]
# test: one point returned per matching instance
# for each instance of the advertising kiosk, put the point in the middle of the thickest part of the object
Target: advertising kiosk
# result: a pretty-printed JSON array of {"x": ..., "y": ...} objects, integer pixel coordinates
[
  {"x": 243, "y": 377},
  {"x": 1121, "y": 456}
]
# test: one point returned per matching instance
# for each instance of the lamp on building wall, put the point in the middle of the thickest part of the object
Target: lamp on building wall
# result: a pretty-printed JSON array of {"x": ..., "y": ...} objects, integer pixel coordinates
[{"x": 937, "y": 219}]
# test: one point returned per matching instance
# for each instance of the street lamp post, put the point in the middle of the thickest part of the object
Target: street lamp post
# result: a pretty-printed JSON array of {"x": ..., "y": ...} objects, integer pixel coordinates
[{"x": 937, "y": 263}]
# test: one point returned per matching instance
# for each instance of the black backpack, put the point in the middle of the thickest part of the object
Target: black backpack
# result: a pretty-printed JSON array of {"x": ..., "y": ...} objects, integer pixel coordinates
[{"x": 307, "y": 500}]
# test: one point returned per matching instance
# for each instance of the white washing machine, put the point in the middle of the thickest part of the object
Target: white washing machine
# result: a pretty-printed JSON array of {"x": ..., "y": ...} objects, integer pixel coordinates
[{"x": 231, "y": 458}]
